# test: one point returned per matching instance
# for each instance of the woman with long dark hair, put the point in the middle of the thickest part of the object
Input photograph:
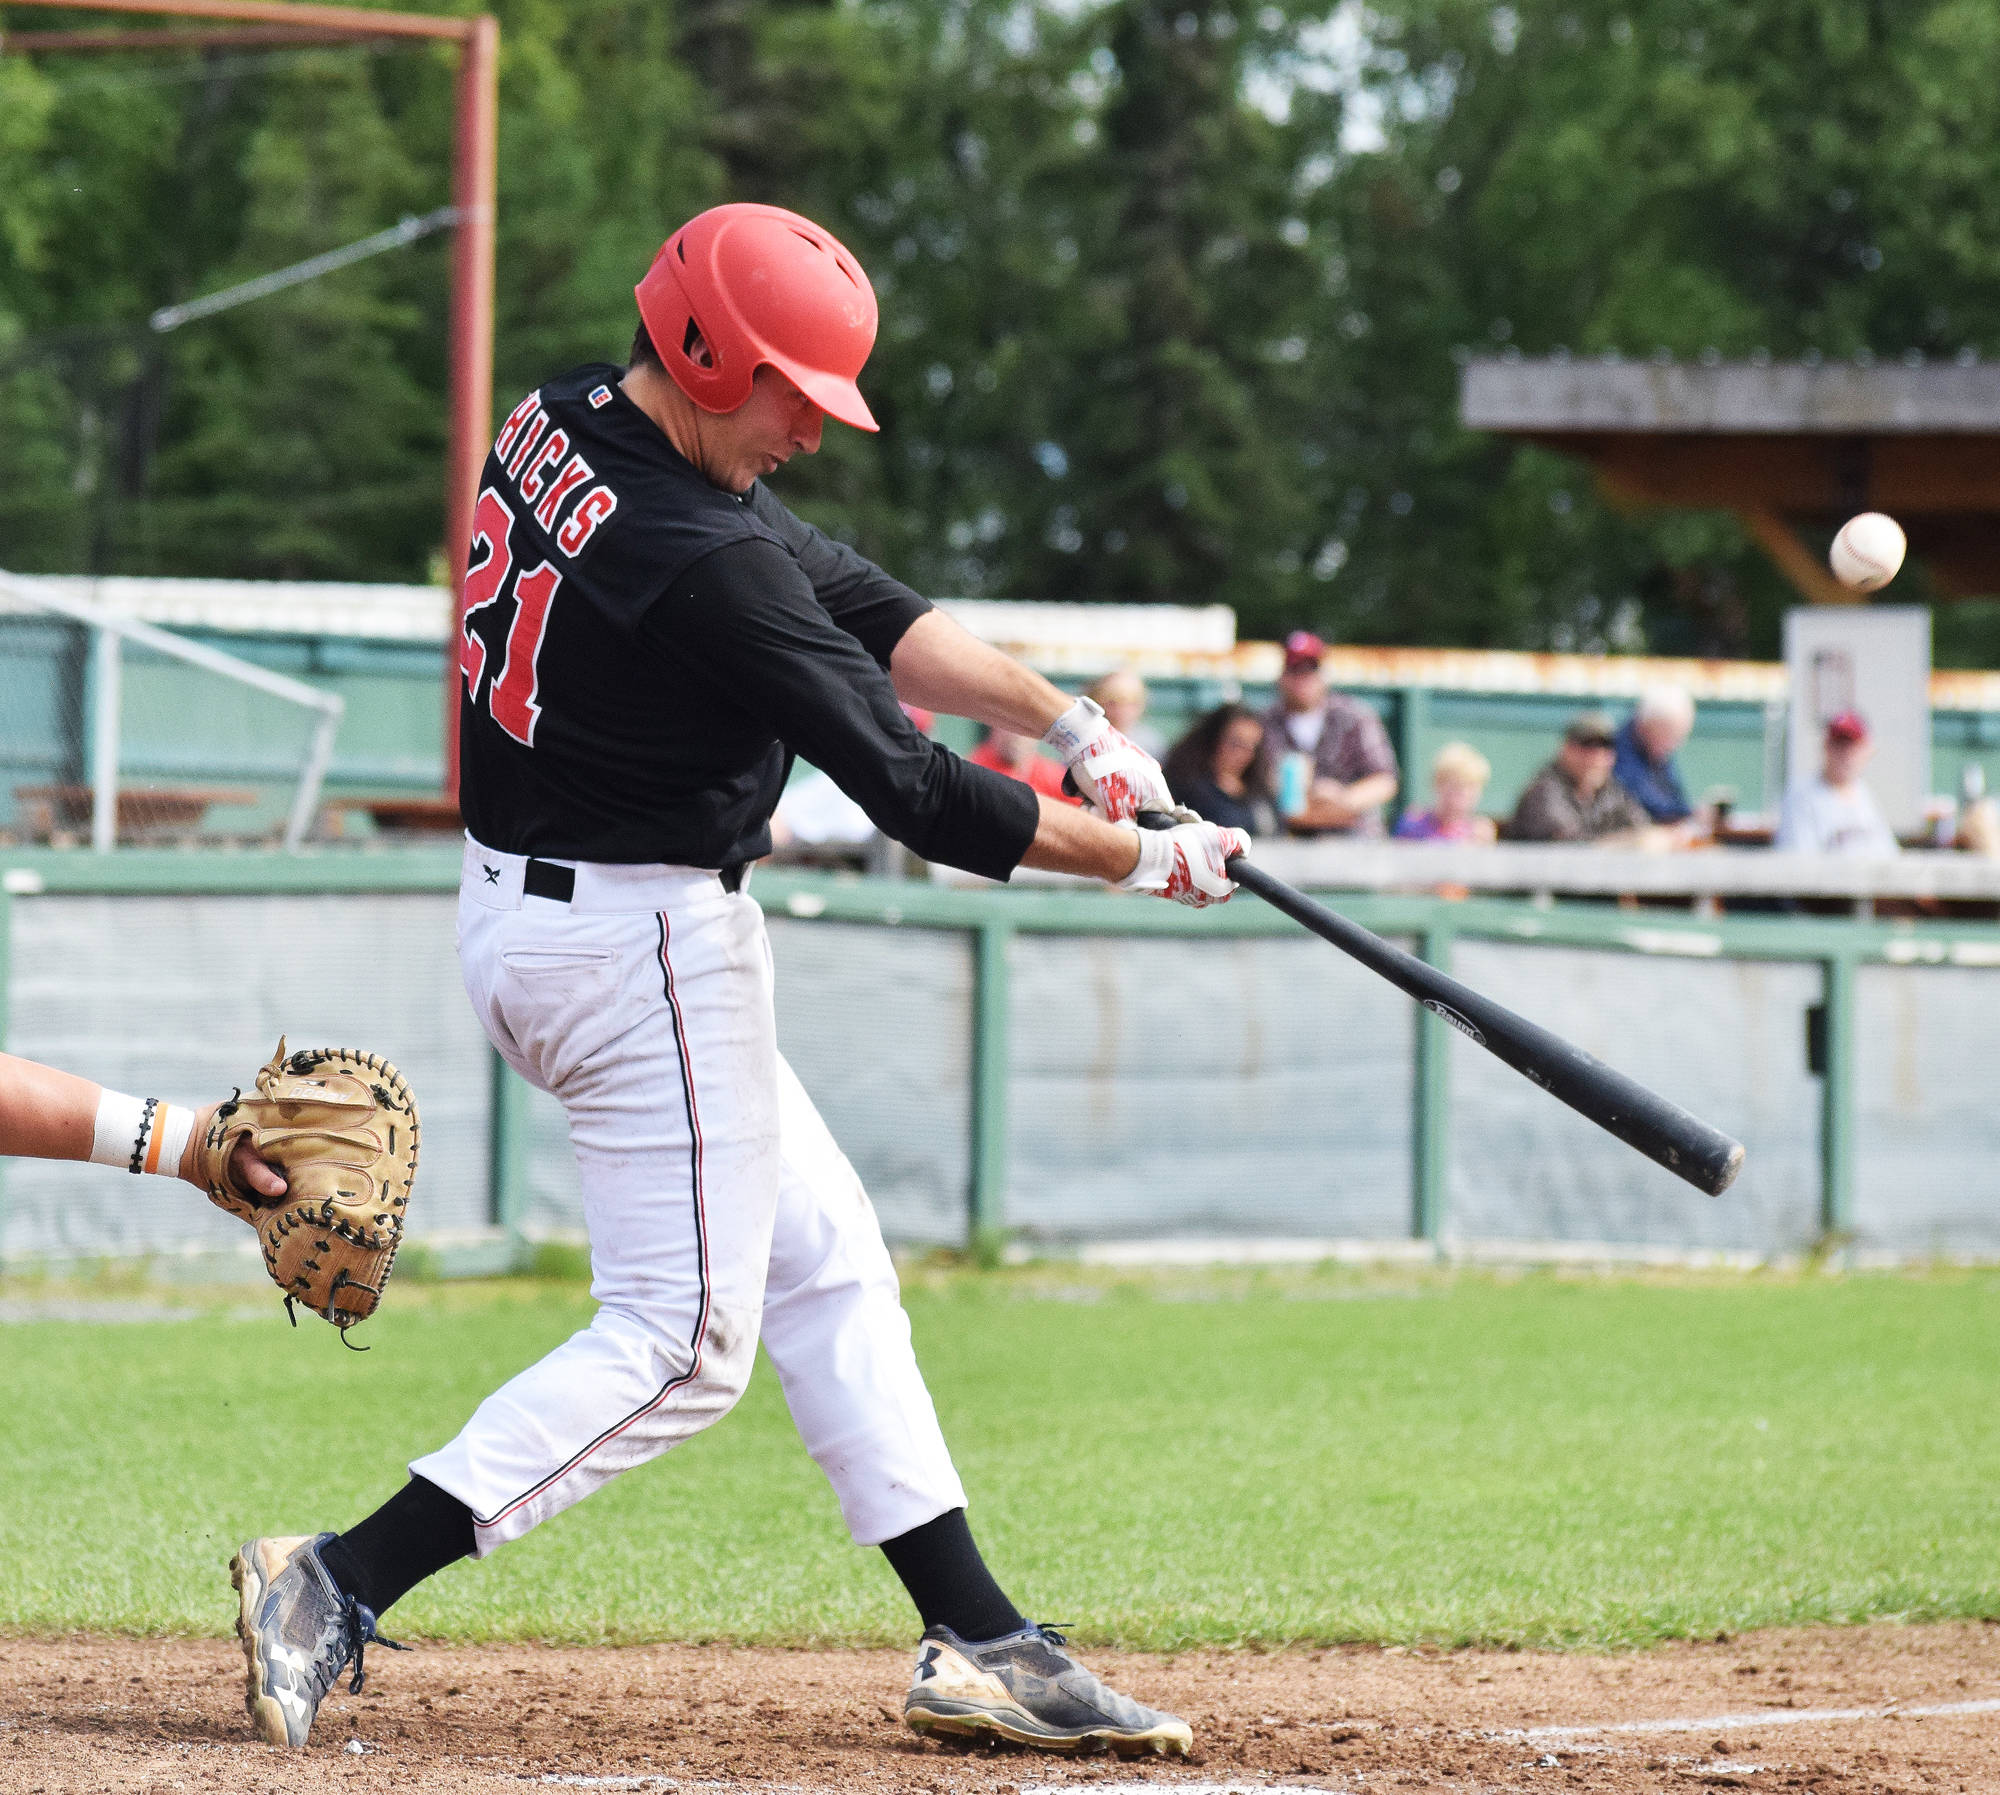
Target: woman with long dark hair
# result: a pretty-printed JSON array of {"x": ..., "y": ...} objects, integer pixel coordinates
[{"x": 1220, "y": 770}]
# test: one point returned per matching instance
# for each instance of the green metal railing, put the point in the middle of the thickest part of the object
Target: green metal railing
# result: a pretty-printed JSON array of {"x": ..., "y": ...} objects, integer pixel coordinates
[
  {"x": 1839, "y": 945},
  {"x": 996, "y": 918}
]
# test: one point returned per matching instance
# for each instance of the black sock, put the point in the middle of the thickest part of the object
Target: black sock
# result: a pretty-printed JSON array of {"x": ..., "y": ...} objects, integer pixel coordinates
[
  {"x": 949, "y": 1581},
  {"x": 413, "y": 1535}
]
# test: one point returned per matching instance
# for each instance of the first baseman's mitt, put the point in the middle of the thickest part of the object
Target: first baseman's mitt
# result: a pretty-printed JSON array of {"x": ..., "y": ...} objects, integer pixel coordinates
[{"x": 341, "y": 1126}]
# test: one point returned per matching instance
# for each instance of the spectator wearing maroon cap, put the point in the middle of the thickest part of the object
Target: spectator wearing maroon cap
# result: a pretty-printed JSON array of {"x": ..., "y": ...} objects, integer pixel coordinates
[
  {"x": 1020, "y": 757},
  {"x": 1836, "y": 813},
  {"x": 1352, "y": 767}
]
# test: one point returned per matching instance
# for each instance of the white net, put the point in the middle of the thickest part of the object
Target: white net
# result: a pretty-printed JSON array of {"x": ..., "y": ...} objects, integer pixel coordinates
[{"x": 113, "y": 731}]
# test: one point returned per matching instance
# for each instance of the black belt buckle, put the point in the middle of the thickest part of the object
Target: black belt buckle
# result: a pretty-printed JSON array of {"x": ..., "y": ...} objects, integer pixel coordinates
[
  {"x": 736, "y": 875},
  {"x": 544, "y": 879}
]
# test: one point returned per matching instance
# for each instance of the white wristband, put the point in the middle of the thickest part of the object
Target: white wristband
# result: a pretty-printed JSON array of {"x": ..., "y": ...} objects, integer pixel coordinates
[
  {"x": 1076, "y": 727},
  {"x": 140, "y": 1134},
  {"x": 170, "y": 1131},
  {"x": 1156, "y": 860}
]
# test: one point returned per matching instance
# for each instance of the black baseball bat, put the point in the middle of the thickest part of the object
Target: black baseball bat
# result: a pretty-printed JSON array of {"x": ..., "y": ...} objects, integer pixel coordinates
[
  {"x": 1663, "y": 1131},
  {"x": 1706, "y": 1157}
]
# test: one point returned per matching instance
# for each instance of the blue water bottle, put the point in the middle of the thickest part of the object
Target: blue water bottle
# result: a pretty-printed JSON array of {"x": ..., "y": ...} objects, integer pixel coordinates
[{"x": 1294, "y": 783}]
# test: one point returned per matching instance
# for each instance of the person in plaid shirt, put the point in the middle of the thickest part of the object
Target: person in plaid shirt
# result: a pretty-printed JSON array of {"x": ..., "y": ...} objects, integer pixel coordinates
[{"x": 1354, "y": 771}]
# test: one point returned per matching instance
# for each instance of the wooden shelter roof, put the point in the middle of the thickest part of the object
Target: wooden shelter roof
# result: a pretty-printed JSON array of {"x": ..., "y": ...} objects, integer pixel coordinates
[{"x": 1786, "y": 445}]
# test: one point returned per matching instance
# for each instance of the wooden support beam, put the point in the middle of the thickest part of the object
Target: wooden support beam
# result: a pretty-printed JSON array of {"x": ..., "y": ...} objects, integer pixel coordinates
[
  {"x": 1906, "y": 476},
  {"x": 1796, "y": 562}
]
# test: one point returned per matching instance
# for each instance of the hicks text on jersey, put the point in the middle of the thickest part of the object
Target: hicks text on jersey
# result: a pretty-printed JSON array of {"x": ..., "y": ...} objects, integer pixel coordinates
[{"x": 540, "y": 475}]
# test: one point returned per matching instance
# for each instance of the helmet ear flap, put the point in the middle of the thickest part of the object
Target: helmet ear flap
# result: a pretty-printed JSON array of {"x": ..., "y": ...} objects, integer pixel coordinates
[{"x": 697, "y": 360}]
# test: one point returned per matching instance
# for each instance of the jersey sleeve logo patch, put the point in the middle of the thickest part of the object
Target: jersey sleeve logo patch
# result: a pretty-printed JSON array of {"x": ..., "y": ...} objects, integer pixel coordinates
[{"x": 600, "y": 397}]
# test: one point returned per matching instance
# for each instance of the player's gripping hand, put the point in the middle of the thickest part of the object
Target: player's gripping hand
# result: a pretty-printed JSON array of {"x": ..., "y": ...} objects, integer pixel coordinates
[
  {"x": 248, "y": 1169},
  {"x": 1188, "y": 863},
  {"x": 1114, "y": 775}
]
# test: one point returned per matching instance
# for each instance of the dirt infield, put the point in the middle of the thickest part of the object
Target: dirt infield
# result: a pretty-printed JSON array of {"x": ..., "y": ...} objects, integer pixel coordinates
[{"x": 1828, "y": 1710}]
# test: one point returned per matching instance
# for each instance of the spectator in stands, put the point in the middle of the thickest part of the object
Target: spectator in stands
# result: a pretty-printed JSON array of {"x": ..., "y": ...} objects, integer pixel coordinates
[
  {"x": 1219, "y": 769},
  {"x": 1121, "y": 694},
  {"x": 1979, "y": 829},
  {"x": 1647, "y": 744},
  {"x": 1459, "y": 773},
  {"x": 1350, "y": 769},
  {"x": 1836, "y": 813},
  {"x": 1021, "y": 757},
  {"x": 1576, "y": 797}
]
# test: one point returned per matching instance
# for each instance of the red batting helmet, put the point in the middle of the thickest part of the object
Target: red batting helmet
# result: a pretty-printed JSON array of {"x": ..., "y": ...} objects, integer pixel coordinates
[{"x": 762, "y": 285}]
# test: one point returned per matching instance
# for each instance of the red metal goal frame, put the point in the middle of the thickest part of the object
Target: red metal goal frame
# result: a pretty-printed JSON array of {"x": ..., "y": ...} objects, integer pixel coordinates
[{"x": 473, "y": 189}]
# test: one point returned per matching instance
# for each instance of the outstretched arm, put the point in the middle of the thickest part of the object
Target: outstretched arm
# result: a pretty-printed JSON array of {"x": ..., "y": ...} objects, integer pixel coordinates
[
  {"x": 47, "y": 1114},
  {"x": 44, "y": 1114},
  {"x": 943, "y": 666}
]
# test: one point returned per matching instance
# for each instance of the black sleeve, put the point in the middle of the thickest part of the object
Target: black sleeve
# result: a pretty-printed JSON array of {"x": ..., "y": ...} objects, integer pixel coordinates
[
  {"x": 867, "y": 603},
  {"x": 745, "y": 621}
]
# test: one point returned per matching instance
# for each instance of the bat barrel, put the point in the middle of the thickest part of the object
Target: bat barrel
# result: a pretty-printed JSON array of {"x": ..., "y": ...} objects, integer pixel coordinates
[{"x": 1663, "y": 1131}]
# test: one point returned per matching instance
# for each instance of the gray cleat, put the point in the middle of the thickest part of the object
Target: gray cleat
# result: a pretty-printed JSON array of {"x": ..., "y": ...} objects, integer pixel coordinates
[
  {"x": 1026, "y": 1688},
  {"x": 299, "y": 1629}
]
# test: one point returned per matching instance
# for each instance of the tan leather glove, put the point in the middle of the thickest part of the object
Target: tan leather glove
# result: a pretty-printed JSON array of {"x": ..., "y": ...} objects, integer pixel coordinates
[{"x": 341, "y": 1126}]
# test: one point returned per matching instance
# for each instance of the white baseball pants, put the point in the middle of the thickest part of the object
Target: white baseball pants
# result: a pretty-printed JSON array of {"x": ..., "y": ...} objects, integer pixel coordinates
[{"x": 717, "y": 1204}]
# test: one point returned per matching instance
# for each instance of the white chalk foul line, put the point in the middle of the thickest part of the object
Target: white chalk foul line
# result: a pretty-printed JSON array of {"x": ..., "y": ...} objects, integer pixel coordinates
[
  {"x": 1711, "y": 1723},
  {"x": 682, "y": 1784},
  {"x": 619, "y": 1782},
  {"x": 1723, "y": 1723},
  {"x": 685, "y": 1787}
]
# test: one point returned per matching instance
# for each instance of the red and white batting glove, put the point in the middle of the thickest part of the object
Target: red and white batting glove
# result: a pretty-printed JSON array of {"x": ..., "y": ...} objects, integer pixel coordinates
[
  {"x": 1113, "y": 774},
  {"x": 1188, "y": 863}
]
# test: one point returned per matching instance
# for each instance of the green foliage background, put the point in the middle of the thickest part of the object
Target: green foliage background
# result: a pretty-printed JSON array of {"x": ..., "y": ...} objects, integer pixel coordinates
[{"x": 1173, "y": 293}]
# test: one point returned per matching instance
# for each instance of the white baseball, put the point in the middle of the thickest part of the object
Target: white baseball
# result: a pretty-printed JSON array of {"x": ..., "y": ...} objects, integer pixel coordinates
[{"x": 1867, "y": 552}]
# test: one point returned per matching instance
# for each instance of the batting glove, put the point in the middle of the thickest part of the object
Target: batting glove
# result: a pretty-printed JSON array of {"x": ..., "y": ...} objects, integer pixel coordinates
[
  {"x": 1188, "y": 863},
  {"x": 1116, "y": 777}
]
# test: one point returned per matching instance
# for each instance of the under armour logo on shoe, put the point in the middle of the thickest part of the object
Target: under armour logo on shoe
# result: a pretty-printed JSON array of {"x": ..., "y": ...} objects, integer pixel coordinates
[
  {"x": 492, "y": 873},
  {"x": 927, "y": 1664}
]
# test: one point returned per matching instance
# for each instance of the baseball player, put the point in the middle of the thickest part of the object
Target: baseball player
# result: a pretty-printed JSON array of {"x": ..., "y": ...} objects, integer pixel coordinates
[
  {"x": 46, "y": 1114},
  {"x": 650, "y": 636}
]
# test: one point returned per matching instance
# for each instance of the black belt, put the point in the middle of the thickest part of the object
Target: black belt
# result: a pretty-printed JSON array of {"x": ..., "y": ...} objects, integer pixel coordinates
[{"x": 545, "y": 879}]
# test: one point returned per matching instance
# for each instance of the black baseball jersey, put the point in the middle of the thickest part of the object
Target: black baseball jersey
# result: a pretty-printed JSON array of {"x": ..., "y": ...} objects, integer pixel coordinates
[{"x": 643, "y": 653}]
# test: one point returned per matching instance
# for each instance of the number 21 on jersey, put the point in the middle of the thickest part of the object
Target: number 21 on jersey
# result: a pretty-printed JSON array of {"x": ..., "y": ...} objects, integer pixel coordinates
[{"x": 511, "y": 697}]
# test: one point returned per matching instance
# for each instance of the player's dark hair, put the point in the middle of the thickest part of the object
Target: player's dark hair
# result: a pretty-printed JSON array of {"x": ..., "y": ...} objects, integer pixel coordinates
[
  {"x": 646, "y": 354},
  {"x": 643, "y": 354}
]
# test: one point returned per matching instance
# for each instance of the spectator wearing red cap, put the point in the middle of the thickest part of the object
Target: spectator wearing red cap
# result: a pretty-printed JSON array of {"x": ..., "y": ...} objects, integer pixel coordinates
[
  {"x": 1352, "y": 769},
  {"x": 1836, "y": 813}
]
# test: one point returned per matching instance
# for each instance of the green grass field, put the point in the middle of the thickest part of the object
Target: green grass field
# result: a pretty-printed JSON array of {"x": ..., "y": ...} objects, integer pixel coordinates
[{"x": 1197, "y": 1459}]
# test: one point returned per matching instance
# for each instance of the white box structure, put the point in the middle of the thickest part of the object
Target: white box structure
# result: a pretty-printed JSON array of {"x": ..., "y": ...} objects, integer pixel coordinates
[{"x": 1875, "y": 659}]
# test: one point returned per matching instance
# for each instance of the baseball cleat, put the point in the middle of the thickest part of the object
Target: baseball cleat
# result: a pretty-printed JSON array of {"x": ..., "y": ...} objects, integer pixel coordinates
[
  {"x": 1027, "y": 1689},
  {"x": 299, "y": 1629}
]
